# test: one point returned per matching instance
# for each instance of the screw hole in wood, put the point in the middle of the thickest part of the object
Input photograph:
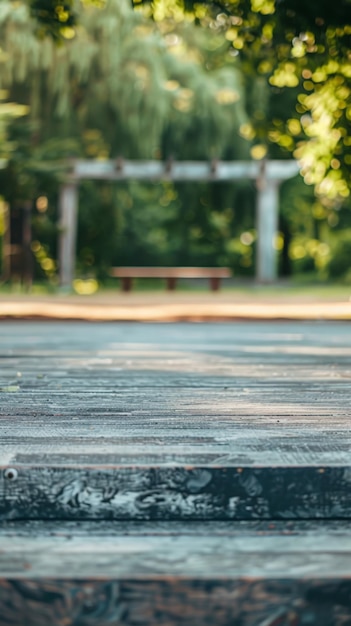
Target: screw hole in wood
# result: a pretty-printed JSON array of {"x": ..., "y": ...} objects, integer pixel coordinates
[{"x": 10, "y": 473}]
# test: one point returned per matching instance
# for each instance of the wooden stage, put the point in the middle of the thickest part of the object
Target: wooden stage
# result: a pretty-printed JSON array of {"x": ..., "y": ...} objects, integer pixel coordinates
[{"x": 175, "y": 474}]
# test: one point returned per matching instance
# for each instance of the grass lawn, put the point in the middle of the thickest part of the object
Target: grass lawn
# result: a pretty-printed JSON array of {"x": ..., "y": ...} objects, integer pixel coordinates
[{"x": 192, "y": 288}]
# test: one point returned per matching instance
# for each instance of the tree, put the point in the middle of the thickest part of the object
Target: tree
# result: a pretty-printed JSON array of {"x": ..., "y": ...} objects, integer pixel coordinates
[
  {"x": 100, "y": 95},
  {"x": 297, "y": 55},
  {"x": 219, "y": 81},
  {"x": 142, "y": 99}
]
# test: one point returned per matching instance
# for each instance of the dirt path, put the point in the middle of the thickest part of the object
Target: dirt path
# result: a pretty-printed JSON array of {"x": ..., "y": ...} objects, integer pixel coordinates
[{"x": 179, "y": 306}]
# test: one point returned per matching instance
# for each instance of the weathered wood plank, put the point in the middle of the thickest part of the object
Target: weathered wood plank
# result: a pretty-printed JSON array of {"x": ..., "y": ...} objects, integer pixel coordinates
[
  {"x": 204, "y": 493},
  {"x": 251, "y": 575},
  {"x": 204, "y": 555},
  {"x": 117, "y": 415}
]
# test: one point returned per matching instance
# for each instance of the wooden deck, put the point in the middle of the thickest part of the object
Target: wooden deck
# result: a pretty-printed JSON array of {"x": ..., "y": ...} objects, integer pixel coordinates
[{"x": 193, "y": 474}]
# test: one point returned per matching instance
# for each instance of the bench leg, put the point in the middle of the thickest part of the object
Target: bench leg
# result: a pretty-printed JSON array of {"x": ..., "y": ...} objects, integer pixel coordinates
[
  {"x": 127, "y": 284},
  {"x": 171, "y": 283},
  {"x": 215, "y": 283}
]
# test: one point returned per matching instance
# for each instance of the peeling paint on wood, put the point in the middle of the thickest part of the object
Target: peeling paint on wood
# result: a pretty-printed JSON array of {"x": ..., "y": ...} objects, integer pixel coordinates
[{"x": 176, "y": 493}]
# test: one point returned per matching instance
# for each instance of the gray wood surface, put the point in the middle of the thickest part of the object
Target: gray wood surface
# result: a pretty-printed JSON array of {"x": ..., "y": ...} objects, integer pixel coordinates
[
  {"x": 98, "y": 574},
  {"x": 184, "y": 421},
  {"x": 206, "y": 551},
  {"x": 120, "y": 445}
]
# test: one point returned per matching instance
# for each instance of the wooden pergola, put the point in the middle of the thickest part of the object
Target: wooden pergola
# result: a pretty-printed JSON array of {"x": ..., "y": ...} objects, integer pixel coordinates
[{"x": 268, "y": 175}]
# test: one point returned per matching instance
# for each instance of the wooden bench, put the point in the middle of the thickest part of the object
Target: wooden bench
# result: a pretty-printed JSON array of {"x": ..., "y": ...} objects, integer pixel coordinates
[{"x": 171, "y": 274}]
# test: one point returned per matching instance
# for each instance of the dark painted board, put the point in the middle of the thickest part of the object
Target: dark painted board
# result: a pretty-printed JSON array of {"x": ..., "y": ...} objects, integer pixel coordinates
[
  {"x": 108, "y": 420},
  {"x": 51, "y": 528},
  {"x": 206, "y": 575},
  {"x": 175, "y": 493}
]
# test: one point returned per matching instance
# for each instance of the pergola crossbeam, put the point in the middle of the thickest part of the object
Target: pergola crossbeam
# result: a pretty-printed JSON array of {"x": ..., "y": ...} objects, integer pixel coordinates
[{"x": 121, "y": 169}]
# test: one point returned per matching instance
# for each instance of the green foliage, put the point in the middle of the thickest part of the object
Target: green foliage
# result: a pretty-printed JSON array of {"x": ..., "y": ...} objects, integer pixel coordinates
[
  {"x": 340, "y": 261},
  {"x": 131, "y": 223},
  {"x": 242, "y": 79},
  {"x": 57, "y": 19},
  {"x": 170, "y": 94},
  {"x": 54, "y": 17},
  {"x": 174, "y": 94},
  {"x": 297, "y": 55}
]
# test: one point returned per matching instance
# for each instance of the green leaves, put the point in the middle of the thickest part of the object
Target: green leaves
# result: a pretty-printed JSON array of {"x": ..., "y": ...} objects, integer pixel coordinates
[
  {"x": 302, "y": 52},
  {"x": 54, "y": 17}
]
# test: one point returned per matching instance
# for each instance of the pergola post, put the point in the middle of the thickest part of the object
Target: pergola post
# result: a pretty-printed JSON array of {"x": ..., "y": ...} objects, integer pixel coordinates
[
  {"x": 267, "y": 211},
  {"x": 271, "y": 174},
  {"x": 68, "y": 211}
]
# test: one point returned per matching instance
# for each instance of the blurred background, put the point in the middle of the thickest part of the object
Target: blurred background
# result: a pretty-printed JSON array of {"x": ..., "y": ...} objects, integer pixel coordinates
[{"x": 171, "y": 79}]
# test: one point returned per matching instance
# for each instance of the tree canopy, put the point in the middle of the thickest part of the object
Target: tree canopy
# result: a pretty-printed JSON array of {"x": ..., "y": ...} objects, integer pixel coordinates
[
  {"x": 288, "y": 46},
  {"x": 144, "y": 100},
  {"x": 285, "y": 45},
  {"x": 183, "y": 79},
  {"x": 100, "y": 95}
]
